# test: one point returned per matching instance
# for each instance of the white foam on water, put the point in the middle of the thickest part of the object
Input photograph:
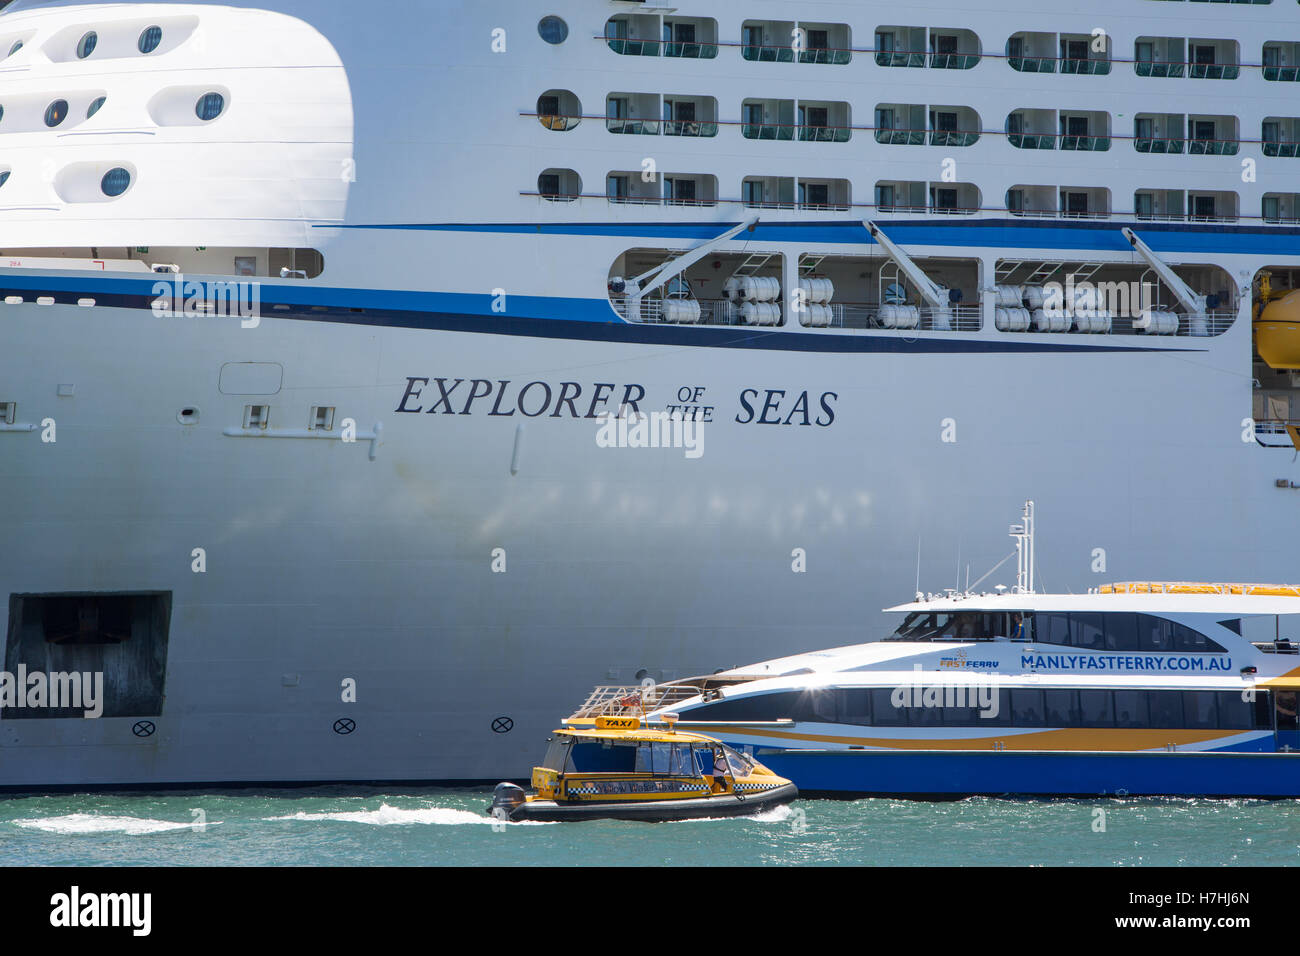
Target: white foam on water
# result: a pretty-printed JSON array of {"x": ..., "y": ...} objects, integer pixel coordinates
[
  {"x": 75, "y": 823},
  {"x": 387, "y": 816}
]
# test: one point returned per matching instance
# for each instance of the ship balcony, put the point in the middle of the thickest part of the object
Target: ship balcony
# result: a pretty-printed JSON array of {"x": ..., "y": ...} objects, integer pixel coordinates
[
  {"x": 636, "y": 114},
  {"x": 768, "y": 119},
  {"x": 1160, "y": 205},
  {"x": 919, "y": 198},
  {"x": 633, "y": 34},
  {"x": 1032, "y": 129},
  {"x": 1282, "y": 62},
  {"x": 690, "y": 116},
  {"x": 1159, "y": 133},
  {"x": 690, "y": 38},
  {"x": 768, "y": 41},
  {"x": 667, "y": 189},
  {"x": 824, "y": 121},
  {"x": 1214, "y": 59},
  {"x": 953, "y": 49},
  {"x": 900, "y": 46},
  {"x": 954, "y": 126},
  {"x": 1206, "y": 206},
  {"x": 909, "y": 198},
  {"x": 559, "y": 110},
  {"x": 1280, "y": 207},
  {"x": 1281, "y": 136},
  {"x": 559, "y": 185},
  {"x": 1084, "y": 202},
  {"x": 825, "y": 195},
  {"x": 1079, "y": 54},
  {"x": 768, "y": 192},
  {"x": 1033, "y": 201},
  {"x": 824, "y": 43},
  {"x": 1213, "y": 136},
  {"x": 1032, "y": 52},
  {"x": 1089, "y": 132},
  {"x": 1160, "y": 56}
]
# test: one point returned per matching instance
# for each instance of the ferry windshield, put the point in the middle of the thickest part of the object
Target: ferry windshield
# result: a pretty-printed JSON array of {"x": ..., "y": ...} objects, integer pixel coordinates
[
  {"x": 1109, "y": 631},
  {"x": 962, "y": 626}
]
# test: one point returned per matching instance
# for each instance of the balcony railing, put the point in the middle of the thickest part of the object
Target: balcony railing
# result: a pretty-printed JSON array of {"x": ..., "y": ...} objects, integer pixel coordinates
[
  {"x": 632, "y": 47},
  {"x": 1151, "y": 68},
  {"x": 1097, "y": 144},
  {"x": 901, "y": 137},
  {"x": 1151, "y": 144},
  {"x": 899, "y": 58},
  {"x": 690, "y": 128},
  {"x": 695, "y": 51},
  {"x": 634, "y": 127},
  {"x": 1286, "y": 74},
  {"x": 1214, "y": 71},
  {"x": 1032, "y": 140},
  {"x": 824, "y": 134},
  {"x": 1282, "y": 149},
  {"x": 767, "y": 131},
  {"x": 1213, "y": 147},
  {"x": 557, "y": 122},
  {"x": 825, "y": 55},
  {"x": 1089, "y": 66},
  {"x": 1033, "y": 64},
  {"x": 952, "y": 137},
  {"x": 768, "y": 54},
  {"x": 953, "y": 61}
]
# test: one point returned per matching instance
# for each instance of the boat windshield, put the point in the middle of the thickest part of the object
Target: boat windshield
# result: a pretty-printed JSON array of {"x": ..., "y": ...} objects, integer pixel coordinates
[
  {"x": 673, "y": 759},
  {"x": 556, "y": 753},
  {"x": 741, "y": 766},
  {"x": 958, "y": 626}
]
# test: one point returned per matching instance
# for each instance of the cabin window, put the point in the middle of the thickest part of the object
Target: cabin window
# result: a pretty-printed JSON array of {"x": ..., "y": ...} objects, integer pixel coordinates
[
  {"x": 4, "y": 176},
  {"x": 149, "y": 39},
  {"x": 93, "y": 108},
  {"x": 1062, "y": 708},
  {"x": 1166, "y": 708},
  {"x": 1200, "y": 709},
  {"x": 115, "y": 182},
  {"x": 557, "y": 753},
  {"x": 1097, "y": 708},
  {"x": 56, "y": 113},
  {"x": 553, "y": 30},
  {"x": 86, "y": 45},
  {"x": 209, "y": 106},
  {"x": 591, "y": 756},
  {"x": 1131, "y": 708},
  {"x": 1027, "y": 707}
]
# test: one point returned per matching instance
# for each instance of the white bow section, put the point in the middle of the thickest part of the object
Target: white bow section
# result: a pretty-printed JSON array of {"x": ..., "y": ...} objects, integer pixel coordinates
[{"x": 275, "y": 161}]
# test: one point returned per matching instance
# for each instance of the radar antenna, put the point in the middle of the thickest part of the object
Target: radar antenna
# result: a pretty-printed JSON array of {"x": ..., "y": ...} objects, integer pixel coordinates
[{"x": 1023, "y": 533}]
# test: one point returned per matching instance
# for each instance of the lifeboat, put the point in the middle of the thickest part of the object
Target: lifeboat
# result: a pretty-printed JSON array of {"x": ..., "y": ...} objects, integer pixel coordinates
[
  {"x": 619, "y": 769},
  {"x": 1277, "y": 326}
]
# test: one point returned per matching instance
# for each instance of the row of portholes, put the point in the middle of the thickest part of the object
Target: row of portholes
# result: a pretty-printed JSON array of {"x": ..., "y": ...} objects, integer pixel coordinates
[
  {"x": 150, "y": 37},
  {"x": 208, "y": 107},
  {"x": 114, "y": 182}
]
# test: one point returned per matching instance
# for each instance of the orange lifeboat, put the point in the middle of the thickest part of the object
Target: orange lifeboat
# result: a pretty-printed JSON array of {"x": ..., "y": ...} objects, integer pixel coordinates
[{"x": 1277, "y": 327}]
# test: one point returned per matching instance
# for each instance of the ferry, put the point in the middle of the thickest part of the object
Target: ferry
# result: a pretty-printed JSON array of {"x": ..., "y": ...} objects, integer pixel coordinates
[
  {"x": 614, "y": 768},
  {"x": 1136, "y": 688},
  {"x": 314, "y": 316}
]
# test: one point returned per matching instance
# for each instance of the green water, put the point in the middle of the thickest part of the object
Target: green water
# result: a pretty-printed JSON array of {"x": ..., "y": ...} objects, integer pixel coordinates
[{"x": 346, "y": 826}]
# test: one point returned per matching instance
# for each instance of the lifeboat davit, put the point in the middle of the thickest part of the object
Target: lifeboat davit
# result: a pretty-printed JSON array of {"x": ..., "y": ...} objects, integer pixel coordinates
[{"x": 1277, "y": 332}]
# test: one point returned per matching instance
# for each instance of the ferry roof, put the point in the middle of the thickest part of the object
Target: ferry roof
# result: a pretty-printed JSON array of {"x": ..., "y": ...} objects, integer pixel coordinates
[
  {"x": 1225, "y": 600},
  {"x": 641, "y": 735}
]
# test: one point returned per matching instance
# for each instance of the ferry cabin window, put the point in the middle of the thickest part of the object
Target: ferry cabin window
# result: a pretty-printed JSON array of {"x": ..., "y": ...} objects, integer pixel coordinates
[
  {"x": 594, "y": 756},
  {"x": 556, "y": 753}
]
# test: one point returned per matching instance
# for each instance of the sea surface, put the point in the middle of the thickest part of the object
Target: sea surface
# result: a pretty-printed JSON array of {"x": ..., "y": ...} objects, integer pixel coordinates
[{"x": 344, "y": 826}]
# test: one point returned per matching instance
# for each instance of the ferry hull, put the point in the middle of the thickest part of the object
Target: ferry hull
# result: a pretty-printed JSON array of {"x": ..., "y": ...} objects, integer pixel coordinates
[{"x": 955, "y": 774}]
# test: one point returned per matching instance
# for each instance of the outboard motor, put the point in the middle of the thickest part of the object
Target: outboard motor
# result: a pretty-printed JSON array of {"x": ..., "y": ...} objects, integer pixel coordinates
[{"x": 506, "y": 798}]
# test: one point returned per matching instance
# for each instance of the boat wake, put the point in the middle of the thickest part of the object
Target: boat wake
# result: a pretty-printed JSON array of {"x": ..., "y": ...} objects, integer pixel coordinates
[
  {"x": 387, "y": 816},
  {"x": 87, "y": 823}
]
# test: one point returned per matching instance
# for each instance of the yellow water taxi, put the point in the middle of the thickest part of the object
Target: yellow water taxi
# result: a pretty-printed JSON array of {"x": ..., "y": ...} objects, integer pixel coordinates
[{"x": 618, "y": 767}]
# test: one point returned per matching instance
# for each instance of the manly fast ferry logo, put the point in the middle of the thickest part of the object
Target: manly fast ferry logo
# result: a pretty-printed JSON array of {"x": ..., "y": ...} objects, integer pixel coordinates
[{"x": 962, "y": 661}]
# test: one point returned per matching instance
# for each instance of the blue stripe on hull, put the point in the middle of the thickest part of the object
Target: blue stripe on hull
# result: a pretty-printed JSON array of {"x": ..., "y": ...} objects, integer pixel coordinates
[{"x": 965, "y": 773}]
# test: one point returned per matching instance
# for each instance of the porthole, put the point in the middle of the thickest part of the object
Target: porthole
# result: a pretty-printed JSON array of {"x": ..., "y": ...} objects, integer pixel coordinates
[
  {"x": 553, "y": 30},
  {"x": 18, "y": 45},
  {"x": 209, "y": 106},
  {"x": 149, "y": 39},
  {"x": 115, "y": 182},
  {"x": 56, "y": 113},
  {"x": 86, "y": 45},
  {"x": 4, "y": 176},
  {"x": 2, "y": 113},
  {"x": 93, "y": 108}
]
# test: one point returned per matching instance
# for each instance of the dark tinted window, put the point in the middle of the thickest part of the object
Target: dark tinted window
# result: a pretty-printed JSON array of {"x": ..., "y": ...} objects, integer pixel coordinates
[
  {"x": 816, "y": 705},
  {"x": 855, "y": 706},
  {"x": 1193, "y": 642},
  {"x": 1131, "y": 708},
  {"x": 1097, "y": 708},
  {"x": 1087, "y": 631},
  {"x": 1235, "y": 713},
  {"x": 1027, "y": 707},
  {"x": 1052, "y": 628},
  {"x": 1200, "y": 709},
  {"x": 884, "y": 711},
  {"x": 1154, "y": 634},
  {"x": 592, "y": 757},
  {"x": 1121, "y": 632},
  {"x": 1062, "y": 708},
  {"x": 149, "y": 39},
  {"x": 1166, "y": 708}
]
